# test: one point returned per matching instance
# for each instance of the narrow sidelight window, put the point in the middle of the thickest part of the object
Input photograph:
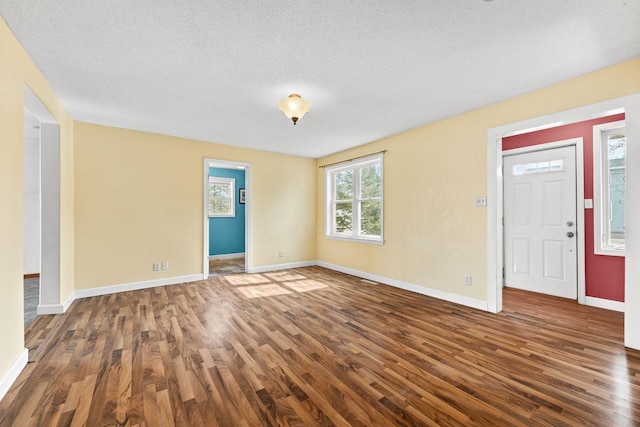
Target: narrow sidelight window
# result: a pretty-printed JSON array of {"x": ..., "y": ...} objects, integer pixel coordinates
[{"x": 609, "y": 157}]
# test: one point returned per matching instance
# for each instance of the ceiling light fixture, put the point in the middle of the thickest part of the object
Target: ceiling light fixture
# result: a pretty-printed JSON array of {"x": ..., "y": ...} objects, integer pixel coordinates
[{"x": 294, "y": 107}]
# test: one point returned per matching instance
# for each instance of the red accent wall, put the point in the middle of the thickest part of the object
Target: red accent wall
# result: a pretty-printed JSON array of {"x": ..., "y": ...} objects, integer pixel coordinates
[{"x": 604, "y": 275}]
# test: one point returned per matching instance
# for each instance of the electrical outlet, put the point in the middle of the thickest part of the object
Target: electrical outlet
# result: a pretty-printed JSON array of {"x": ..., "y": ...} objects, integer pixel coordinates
[
  {"x": 165, "y": 265},
  {"x": 467, "y": 280},
  {"x": 281, "y": 254},
  {"x": 156, "y": 266},
  {"x": 481, "y": 201}
]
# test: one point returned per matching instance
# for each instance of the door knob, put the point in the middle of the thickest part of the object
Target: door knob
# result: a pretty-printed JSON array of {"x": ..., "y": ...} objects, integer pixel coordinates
[
  {"x": 570, "y": 223},
  {"x": 570, "y": 234}
]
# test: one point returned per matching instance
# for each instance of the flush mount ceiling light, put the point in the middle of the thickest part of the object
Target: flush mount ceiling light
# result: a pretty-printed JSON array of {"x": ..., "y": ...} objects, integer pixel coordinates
[{"x": 294, "y": 107}]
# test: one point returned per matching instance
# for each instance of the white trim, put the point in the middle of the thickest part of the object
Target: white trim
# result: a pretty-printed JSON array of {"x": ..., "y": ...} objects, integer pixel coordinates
[
  {"x": 134, "y": 286},
  {"x": 12, "y": 373},
  {"x": 632, "y": 233},
  {"x": 423, "y": 290},
  {"x": 275, "y": 267},
  {"x": 542, "y": 147},
  {"x": 630, "y": 105},
  {"x": 50, "y": 199},
  {"x": 56, "y": 308},
  {"x": 106, "y": 290},
  {"x": 228, "y": 164},
  {"x": 578, "y": 143},
  {"x": 605, "y": 303},
  {"x": 601, "y": 191},
  {"x": 50, "y": 309},
  {"x": 226, "y": 256}
]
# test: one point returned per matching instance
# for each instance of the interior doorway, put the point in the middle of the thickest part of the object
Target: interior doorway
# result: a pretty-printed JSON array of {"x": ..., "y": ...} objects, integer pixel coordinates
[
  {"x": 43, "y": 230},
  {"x": 630, "y": 105},
  {"x": 31, "y": 216},
  {"x": 227, "y": 217}
]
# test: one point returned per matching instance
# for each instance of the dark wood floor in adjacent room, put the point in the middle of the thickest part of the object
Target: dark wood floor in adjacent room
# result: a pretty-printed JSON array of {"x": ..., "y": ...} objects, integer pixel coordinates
[{"x": 312, "y": 347}]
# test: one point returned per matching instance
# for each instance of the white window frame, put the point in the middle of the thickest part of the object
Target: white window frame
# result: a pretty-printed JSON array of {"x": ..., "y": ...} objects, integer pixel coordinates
[
  {"x": 232, "y": 198},
  {"x": 330, "y": 202},
  {"x": 601, "y": 209}
]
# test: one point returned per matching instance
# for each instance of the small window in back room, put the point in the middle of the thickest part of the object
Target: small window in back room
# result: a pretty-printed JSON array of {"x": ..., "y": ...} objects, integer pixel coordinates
[
  {"x": 221, "y": 197},
  {"x": 609, "y": 187}
]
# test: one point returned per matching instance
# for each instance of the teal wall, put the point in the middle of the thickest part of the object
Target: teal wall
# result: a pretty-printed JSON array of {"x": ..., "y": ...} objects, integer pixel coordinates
[{"x": 226, "y": 235}]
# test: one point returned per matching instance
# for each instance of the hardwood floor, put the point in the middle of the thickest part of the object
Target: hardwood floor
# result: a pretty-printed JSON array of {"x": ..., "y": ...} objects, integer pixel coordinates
[
  {"x": 312, "y": 347},
  {"x": 226, "y": 266}
]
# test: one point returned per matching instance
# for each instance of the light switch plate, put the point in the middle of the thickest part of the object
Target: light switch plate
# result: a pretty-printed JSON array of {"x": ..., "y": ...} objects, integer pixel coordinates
[
  {"x": 481, "y": 201},
  {"x": 588, "y": 203}
]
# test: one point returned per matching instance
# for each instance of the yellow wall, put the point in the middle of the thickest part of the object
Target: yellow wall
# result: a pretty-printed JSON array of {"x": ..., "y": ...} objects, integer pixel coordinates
[
  {"x": 434, "y": 235},
  {"x": 139, "y": 200},
  {"x": 16, "y": 70}
]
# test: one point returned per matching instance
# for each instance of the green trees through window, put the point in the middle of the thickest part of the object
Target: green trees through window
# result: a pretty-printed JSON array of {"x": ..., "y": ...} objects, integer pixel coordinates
[
  {"x": 354, "y": 199},
  {"x": 221, "y": 196}
]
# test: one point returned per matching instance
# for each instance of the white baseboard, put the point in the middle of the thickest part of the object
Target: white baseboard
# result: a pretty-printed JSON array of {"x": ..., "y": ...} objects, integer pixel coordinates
[
  {"x": 12, "y": 373},
  {"x": 604, "y": 303},
  {"x": 435, "y": 293},
  {"x": 106, "y": 290},
  {"x": 226, "y": 256},
  {"x": 275, "y": 267},
  {"x": 50, "y": 309}
]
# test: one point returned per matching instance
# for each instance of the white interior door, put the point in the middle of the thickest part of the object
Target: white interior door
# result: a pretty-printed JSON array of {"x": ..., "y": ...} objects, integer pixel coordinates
[{"x": 540, "y": 221}]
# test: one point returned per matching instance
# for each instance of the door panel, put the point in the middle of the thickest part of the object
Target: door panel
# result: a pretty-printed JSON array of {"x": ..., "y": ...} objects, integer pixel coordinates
[
  {"x": 522, "y": 256},
  {"x": 554, "y": 261},
  {"x": 540, "y": 218}
]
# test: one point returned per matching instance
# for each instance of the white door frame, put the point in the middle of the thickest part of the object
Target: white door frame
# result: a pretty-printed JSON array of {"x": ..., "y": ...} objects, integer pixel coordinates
[
  {"x": 579, "y": 150},
  {"x": 630, "y": 105},
  {"x": 227, "y": 164},
  {"x": 49, "y": 302}
]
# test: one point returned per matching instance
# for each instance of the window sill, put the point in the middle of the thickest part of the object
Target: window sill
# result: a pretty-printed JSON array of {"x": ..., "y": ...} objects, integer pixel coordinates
[
  {"x": 610, "y": 252},
  {"x": 373, "y": 241}
]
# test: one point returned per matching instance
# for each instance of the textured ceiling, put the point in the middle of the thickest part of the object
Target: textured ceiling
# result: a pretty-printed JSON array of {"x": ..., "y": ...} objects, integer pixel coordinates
[{"x": 215, "y": 70}]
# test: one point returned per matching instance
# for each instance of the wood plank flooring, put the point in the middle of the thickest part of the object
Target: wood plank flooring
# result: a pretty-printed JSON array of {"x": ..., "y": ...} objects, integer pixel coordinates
[{"x": 312, "y": 347}]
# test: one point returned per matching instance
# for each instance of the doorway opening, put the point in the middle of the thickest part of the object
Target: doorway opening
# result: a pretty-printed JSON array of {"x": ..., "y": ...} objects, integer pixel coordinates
[
  {"x": 227, "y": 217},
  {"x": 31, "y": 216},
  {"x": 41, "y": 210},
  {"x": 630, "y": 105}
]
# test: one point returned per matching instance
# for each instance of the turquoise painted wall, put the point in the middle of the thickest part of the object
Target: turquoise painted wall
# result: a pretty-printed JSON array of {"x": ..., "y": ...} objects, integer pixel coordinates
[{"x": 226, "y": 235}]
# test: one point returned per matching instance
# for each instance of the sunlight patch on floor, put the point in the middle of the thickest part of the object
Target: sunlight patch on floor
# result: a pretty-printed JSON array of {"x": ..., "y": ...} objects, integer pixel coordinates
[
  {"x": 246, "y": 279},
  {"x": 263, "y": 291},
  {"x": 305, "y": 285}
]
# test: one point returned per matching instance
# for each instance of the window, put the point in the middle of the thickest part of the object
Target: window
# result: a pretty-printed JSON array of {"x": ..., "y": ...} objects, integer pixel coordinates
[
  {"x": 354, "y": 201},
  {"x": 609, "y": 165},
  {"x": 221, "y": 197},
  {"x": 542, "y": 167}
]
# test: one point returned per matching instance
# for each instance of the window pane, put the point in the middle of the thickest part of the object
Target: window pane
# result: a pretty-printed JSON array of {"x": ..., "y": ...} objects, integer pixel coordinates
[
  {"x": 370, "y": 213},
  {"x": 370, "y": 180},
  {"x": 344, "y": 217},
  {"x": 220, "y": 206},
  {"x": 556, "y": 165},
  {"x": 222, "y": 190},
  {"x": 543, "y": 167},
  {"x": 344, "y": 185},
  {"x": 616, "y": 165}
]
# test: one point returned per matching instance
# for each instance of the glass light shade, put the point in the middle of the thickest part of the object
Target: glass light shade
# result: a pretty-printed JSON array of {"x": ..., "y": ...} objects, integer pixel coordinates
[{"x": 294, "y": 107}]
